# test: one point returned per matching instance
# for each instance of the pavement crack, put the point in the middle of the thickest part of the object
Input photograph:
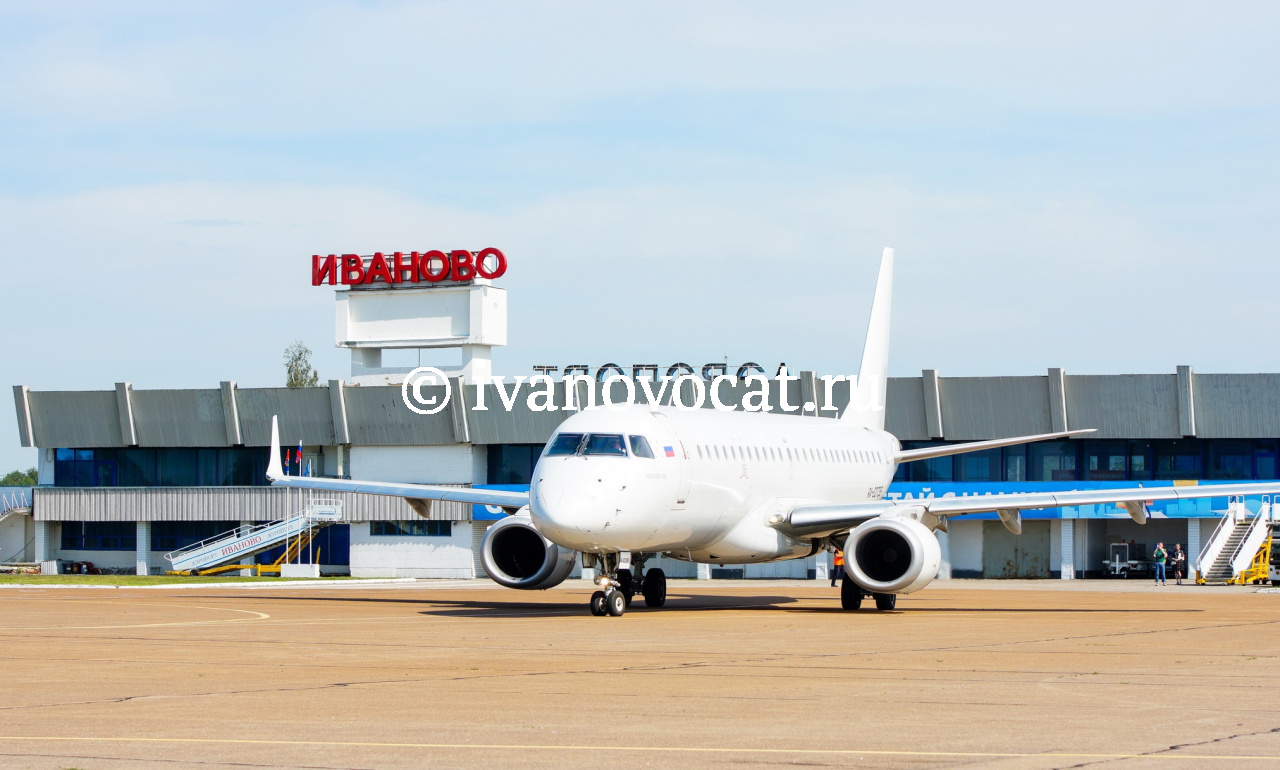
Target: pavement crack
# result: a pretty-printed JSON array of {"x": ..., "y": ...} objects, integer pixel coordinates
[
  {"x": 1177, "y": 747},
  {"x": 185, "y": 761}
]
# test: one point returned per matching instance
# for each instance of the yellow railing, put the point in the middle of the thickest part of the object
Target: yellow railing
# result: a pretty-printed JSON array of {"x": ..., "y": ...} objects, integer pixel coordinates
[{"x": 1256, "y": 572}]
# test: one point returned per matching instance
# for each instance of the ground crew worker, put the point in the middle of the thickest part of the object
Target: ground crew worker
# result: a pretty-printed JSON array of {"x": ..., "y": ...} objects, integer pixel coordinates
[
  {"x": 1179, "y": 560},
  {"x": 1158, "y": 557},
  {"x": 837, "y": 571}
]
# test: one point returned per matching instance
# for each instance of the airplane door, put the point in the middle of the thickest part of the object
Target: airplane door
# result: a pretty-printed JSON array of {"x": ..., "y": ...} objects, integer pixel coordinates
[{"x": 682, "y": 457}]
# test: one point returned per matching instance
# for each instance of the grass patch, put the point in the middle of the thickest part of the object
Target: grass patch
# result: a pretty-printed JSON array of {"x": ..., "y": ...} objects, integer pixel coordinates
[{"x": 142, "y": 580}]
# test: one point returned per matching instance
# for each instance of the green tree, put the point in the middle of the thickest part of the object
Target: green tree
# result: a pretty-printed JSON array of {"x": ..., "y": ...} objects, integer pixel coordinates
[
  {"x": 298, "y": 372},
  {"x": 25, "y": 478}
]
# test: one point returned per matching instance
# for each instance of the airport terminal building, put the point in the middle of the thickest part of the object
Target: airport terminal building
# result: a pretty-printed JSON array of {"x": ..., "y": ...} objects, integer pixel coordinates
[{"x": 127, "y": 475}]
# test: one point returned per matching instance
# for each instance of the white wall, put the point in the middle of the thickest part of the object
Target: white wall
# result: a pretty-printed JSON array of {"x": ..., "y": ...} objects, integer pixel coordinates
[
  {"x": 420, "y": 557},
  {"x": 790, "y": 569},
  {"x": 453, "y": 464},
  {"x": 964, "y": 548},
  {"x": 944, "y": 545},
  {"x": 1055, "y": 545},
  {"x": 44, "y": 467},
  {"x": 673, "y": 568},
  {"x": 16, "y": 532}
]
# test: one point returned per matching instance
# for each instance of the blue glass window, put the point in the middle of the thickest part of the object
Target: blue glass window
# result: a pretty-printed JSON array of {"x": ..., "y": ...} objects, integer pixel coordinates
[
  {"x": 1015, "y": 463},
  {"x": 1177, "y": 459},
  {"x": 241, "y": 466},
  {"x": 1105, "y": 460},
  {"x": 640, "y": 447},
  {"x": 564, "y": 444},
  {"x": 978, "y": 466},
  {"x": 1264, "y": 459},
  {"x": 99, "y": 536},
  {"x": 512, "y": 463},
  {"x": 1230, "y": 459},
  {"x": 609, "y": 444},
  {"x": 416, "y": 528},
  {"x": 1052, "y": 461},
  {"x": 172, "y": 535}
]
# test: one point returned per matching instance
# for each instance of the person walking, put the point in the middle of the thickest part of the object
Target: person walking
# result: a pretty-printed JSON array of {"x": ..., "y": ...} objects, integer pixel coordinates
[
  {"x": 1179, "y": 561},
  {"x": 837, "y": 571},
  {"x": 1158, "y": 558}
]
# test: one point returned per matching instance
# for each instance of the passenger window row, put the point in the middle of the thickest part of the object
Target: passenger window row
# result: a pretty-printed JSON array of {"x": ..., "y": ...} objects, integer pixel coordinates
[{"x": 788, "y": 454}]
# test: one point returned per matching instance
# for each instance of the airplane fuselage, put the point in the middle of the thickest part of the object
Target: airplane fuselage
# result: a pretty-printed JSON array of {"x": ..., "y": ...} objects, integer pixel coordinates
[{"x": 708, "y": 490}]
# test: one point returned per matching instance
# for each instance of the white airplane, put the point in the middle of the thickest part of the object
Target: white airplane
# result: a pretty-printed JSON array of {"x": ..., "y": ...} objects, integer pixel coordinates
[{"x": 737, "y": 488}]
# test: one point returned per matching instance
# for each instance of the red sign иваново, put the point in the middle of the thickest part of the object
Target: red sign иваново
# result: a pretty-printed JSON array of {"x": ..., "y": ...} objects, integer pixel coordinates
[{"x": 430, "y": 266}]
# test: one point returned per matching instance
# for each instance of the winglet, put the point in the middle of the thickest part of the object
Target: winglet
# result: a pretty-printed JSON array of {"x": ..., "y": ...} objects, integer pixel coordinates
[{"x": 274, "y": 471}]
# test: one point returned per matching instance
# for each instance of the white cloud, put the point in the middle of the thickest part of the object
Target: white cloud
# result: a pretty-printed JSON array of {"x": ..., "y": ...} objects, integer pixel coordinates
[
  {"x": 358, "y": 66},
  {"x": 1088, "y": 186}
]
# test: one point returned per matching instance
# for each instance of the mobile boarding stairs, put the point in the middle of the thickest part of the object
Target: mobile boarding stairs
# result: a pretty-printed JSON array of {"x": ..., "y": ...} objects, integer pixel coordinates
[
  {"x": 226, "y": 552},
  {"x": 1240, "y": 547}
]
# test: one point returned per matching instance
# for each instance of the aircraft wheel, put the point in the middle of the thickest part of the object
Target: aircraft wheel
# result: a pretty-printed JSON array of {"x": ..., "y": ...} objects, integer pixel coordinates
[
  {"x": 655, "y": 588},
  {"x": 626, "y": 585},
  {"x": 850, "y": 594},
  {"x": 597, "y": 604},
  {"x": 616, "y": 603},
  {"x": 886, "y": 601}
]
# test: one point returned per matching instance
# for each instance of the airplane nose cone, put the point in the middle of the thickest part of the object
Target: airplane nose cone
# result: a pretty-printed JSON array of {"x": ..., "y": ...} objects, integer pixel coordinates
[
  {"x": 557, "y": 507},
  {"x": 570, "y": 509}
]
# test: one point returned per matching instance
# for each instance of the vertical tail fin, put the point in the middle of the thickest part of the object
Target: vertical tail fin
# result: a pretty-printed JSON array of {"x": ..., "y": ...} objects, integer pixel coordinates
[
  {"x": 867, "y": 395},
  {"x": 274, "y": 469}
]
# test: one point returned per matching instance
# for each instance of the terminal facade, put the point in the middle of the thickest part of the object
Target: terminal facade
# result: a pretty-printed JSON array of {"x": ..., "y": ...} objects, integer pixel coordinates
[{"x": 126, "y": 475}]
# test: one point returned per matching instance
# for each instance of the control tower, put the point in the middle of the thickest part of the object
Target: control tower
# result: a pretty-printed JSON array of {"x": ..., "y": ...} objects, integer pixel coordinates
[{"x": 428, "y": 301}]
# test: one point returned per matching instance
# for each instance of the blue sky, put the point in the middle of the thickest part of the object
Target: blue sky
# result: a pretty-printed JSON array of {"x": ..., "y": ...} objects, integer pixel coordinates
[{"x": 1090, "y": 186}]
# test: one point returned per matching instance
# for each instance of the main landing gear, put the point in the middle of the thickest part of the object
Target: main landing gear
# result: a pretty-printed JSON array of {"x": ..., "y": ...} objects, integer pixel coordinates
[
  {"x": 851, "y": 596},
  {"x": 618, "y": 586}
]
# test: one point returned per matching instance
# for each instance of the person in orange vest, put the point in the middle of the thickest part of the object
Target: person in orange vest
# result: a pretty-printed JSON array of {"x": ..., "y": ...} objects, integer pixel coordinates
[{"x": 837, "y": 570}]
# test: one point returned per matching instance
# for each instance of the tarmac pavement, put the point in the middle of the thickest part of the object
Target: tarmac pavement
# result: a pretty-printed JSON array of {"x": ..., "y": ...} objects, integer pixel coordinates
[{"x": 1008, "y": 674}]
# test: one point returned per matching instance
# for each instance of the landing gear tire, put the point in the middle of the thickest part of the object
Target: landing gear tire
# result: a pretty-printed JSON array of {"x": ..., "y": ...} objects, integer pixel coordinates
[
  {"x": 616, "y": 603},
  {"x": 886, "y": 602},
  {"x": 625, "y": 585},
  {"x": 850, "y": 594},
  {"x": 598, "y": 604},
  {"x": 654, "y": 588}
]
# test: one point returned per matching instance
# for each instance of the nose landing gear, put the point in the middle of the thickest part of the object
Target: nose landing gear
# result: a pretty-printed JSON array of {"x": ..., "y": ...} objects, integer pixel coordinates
[{"x": 619, "y": 585}]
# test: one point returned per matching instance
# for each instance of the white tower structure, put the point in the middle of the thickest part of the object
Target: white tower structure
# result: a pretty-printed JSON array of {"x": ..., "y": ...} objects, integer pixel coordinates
[{"x": 470, "y": 316}]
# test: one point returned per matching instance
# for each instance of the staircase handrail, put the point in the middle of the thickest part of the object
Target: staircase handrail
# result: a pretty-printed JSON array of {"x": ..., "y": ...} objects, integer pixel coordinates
[
  {"x": 1209, "y": 554},
  {"x": 15, "y": 499},
  {"x": 240, "y": 532},
  {"x": 1258, "y": 526},
  {"x": 240, "y": 542}
]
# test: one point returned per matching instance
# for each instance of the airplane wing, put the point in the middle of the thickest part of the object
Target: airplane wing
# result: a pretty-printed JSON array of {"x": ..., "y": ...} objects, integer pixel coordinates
[
  {"x": 818, "y": 520},
  {"x": 414, "y": 493},
  {"x": 942, "y": 450},
  {"x": 958, "y": 506}
]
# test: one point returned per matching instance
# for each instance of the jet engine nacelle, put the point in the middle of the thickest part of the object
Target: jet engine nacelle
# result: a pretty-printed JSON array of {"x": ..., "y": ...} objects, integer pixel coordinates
[
  {"x": 892, "y": 555},
  {"x": 516, "y": 555}
]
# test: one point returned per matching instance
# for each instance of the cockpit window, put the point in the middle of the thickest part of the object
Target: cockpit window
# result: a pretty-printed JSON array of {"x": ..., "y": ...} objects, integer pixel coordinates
[
  {"x": 564, "y": 444},
  {"x": 605, "y": 444},
  {"x": 640, "y": 447}
]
